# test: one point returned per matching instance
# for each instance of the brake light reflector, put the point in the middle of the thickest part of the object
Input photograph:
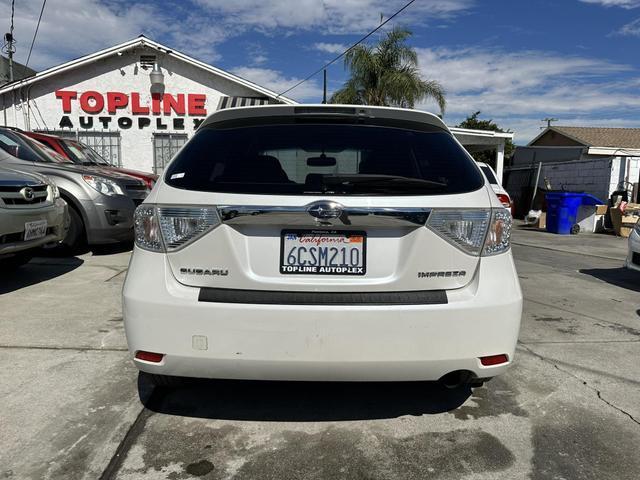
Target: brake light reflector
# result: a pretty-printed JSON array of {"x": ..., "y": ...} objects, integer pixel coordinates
[
  {"x": 504, "y": 200},
  {"x": 494, "y": 360},
  {"x": 149, "y": 356},
  {"x": 146, "y": 228}
]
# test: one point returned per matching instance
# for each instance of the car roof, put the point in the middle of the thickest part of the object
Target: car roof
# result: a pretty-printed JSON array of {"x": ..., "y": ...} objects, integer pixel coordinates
[{"x": 330, "y": 110}]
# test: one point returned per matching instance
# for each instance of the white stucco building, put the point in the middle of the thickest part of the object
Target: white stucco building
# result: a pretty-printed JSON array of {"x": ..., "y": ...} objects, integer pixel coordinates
[{"x": 116, "y": 101}]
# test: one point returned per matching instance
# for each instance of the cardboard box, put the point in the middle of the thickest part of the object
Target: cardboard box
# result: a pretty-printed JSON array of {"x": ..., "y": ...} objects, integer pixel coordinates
[
  {"x": 601, "y": 209},
  {"x": 623, "y": 224}
]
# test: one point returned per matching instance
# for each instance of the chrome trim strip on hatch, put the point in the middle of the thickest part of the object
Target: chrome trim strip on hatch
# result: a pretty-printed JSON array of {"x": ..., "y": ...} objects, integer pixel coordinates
[{"x": 324, "y": 213}]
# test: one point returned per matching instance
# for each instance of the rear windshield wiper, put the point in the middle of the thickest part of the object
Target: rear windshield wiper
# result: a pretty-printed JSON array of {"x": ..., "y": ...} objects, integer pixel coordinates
[{"x": 371, "y": 180}]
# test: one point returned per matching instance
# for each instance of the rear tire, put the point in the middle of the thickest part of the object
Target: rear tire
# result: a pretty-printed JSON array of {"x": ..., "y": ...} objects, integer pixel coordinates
[
  {"x": 76, "y": 236},
  {"x": 16, "y": 261}
]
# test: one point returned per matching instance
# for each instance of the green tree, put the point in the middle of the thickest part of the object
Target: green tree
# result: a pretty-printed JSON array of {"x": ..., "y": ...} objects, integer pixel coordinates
[
  {"x": 474, "y": 123},
  {"x": 387, "y": 74}
]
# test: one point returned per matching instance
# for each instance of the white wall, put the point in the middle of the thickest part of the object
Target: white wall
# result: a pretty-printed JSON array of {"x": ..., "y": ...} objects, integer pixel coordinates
[{"x": 122, "y": 74}]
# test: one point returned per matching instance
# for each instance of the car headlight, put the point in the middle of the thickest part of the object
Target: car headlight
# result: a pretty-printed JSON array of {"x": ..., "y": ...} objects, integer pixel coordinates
[
  {"x": 53, "y": 192},
  {"x": 103, "y": 185}
]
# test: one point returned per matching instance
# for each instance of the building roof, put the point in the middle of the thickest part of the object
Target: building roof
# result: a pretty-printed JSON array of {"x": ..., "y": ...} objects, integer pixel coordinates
[
  {"x": 19, "y": 71},
  {"x": 146, "y": 42},
  {"x": 609, "y": 137}
]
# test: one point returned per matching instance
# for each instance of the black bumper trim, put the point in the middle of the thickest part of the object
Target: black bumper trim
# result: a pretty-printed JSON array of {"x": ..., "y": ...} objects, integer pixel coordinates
[{"x": 276, "y": 297}]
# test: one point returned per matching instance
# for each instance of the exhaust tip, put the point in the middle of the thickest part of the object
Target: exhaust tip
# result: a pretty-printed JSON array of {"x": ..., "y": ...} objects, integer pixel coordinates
[{"x": 456, "y": 379}]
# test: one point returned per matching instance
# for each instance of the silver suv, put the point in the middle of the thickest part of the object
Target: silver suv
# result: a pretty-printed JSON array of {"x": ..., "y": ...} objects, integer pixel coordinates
[
  {"x": 32, "y": 214},
  {"x": 101, "y": 204}
]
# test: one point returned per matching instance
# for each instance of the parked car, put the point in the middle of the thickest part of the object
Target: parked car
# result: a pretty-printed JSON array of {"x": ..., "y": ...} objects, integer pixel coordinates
[
  {"x": 101, "y": 204},
  {"x": 500, "y": 192},
  {"x": 633, "y": 259},
  {"x": 83, "y": 154},
  {"x": 32, "y": 214},
  {"x": 322, "y": 242}
]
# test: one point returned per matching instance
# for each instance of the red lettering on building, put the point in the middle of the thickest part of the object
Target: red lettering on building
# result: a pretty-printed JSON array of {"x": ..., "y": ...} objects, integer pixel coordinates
[
  {"x": 116, "y": 100},
  {"x": 169, "y": 103},
  {"x": 91, "y": 102},
  {"x": 136, "y": 108},
  {"x": 66, "y": 96},
  {"x": 196, "y": 103}
]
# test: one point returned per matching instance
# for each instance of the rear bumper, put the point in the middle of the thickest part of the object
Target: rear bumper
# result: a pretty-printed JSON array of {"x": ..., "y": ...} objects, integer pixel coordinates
[
  {"x": 12, "y": 223},
  {"x": 109, "y": 219},
  {"x": 320, "y": 342}
]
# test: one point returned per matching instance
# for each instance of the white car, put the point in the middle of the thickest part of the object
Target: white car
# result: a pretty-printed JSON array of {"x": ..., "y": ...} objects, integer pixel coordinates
[
  {"x": 633, "y": 259},
  {"x": 498, "y": 189},
  {"x": 322, "y": 242}
]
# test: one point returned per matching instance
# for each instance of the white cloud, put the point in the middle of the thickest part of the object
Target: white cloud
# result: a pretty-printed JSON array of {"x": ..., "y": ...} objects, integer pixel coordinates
[
  {"x": 276, "y": 81},
  {"x": 628, "y": 4},
  {"x": 334, "y": 48},
  {"x": 72, "y": 28},
  {"x": 631, "y": 28},
  {"x": 332, "y": 16},
  {"x": 516, "y": 87}
]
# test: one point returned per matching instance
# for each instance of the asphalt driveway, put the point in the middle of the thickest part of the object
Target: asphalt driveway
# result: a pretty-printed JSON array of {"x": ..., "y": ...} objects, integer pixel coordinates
[{"x": 74, "y": 407}]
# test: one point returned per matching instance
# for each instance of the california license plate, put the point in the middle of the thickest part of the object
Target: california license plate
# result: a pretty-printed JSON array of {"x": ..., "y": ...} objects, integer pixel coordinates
[
  {"x": 33, "y": 230},
  {"x": 323, "y": 252}
]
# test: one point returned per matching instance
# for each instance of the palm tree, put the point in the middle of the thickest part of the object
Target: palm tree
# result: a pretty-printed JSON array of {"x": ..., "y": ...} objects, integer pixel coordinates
[{"x": 387, "y": 74}]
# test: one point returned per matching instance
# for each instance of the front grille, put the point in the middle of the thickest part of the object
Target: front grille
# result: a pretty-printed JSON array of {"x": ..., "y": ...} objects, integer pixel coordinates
[
  {"x": 19, "y": 236},
  {"x": 12, "y": 195},
  {"x": 22, "y": 201},
  {"x": 635, "y": 258}
]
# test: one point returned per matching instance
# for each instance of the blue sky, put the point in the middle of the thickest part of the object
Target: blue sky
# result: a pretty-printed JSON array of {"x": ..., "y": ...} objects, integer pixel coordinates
[{"x": 517, "y": 61}]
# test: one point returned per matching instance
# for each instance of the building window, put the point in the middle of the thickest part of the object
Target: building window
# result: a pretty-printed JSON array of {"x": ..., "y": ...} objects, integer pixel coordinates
[
  {"x": 165, "y": 146},
  {"x": 106, "y": 143}
]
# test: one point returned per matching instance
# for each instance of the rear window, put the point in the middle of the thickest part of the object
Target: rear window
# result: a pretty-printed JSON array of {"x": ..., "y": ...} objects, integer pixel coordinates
[
  {"x": 489, "y": 174},
  {"x": 311, "y": 159}
]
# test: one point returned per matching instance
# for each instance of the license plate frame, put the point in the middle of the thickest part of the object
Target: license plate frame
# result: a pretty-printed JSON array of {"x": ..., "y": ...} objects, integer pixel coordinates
[
  {"x": 34, "y": 230},
  {"x": 351, "y": 271}
]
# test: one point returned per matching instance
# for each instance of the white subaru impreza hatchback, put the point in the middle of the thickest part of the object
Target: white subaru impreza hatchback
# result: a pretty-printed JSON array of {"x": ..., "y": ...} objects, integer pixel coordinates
[{"x": 322, "y": 242}]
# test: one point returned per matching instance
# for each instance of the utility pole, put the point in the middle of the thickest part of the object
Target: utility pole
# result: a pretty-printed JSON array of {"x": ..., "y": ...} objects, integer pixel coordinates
[
  {"x": 549, "y": 120},
  {"x": 324, "y": 88},
  {"x": 9, "y": 46}
]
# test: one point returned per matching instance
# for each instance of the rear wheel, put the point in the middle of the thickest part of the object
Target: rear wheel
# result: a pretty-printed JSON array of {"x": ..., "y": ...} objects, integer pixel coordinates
[
  {"x": 16, "y": 261},
  {"x": 76, "y": 236}
]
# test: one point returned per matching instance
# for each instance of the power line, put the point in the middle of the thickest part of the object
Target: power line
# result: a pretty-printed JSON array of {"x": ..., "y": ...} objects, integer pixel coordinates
[
  {"x": 35, "y": 34},
  {"x": 348, "y": 49}
]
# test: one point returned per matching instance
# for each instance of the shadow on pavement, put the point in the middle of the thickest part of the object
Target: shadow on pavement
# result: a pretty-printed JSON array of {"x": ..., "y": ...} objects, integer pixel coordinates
[
  {"x": 301, "y": 401},
  {"x": 36, "y": 271},
  {"x": 620, "y": 277}
]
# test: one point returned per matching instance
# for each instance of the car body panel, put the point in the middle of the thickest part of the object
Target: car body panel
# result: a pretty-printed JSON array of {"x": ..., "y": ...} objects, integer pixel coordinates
[{"x": 633, "y": 257}]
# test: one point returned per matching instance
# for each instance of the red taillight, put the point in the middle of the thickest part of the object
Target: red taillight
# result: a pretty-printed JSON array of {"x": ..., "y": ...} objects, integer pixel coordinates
[
  {"x": 494, "y": 360},
  {"x": 149, "y": 356},
  {"x": 504, "y": 200}
]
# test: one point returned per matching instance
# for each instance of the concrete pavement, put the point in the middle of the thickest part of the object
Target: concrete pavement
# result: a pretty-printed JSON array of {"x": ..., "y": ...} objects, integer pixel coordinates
[{"x": 73, "y": 406}]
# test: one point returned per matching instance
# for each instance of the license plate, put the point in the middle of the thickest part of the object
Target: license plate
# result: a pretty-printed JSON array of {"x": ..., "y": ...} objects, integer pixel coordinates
[
  {"x": 323, "y": 252},
  {"x": 33, "y": 230}
]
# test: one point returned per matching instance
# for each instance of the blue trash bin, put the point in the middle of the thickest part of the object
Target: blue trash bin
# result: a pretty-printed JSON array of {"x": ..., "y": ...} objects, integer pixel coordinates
[{"x": 562, "y": 209}]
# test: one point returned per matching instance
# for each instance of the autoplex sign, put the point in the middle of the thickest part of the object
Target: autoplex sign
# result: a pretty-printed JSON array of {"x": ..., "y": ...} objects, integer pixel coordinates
[{"x": 101, "y": 110}]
